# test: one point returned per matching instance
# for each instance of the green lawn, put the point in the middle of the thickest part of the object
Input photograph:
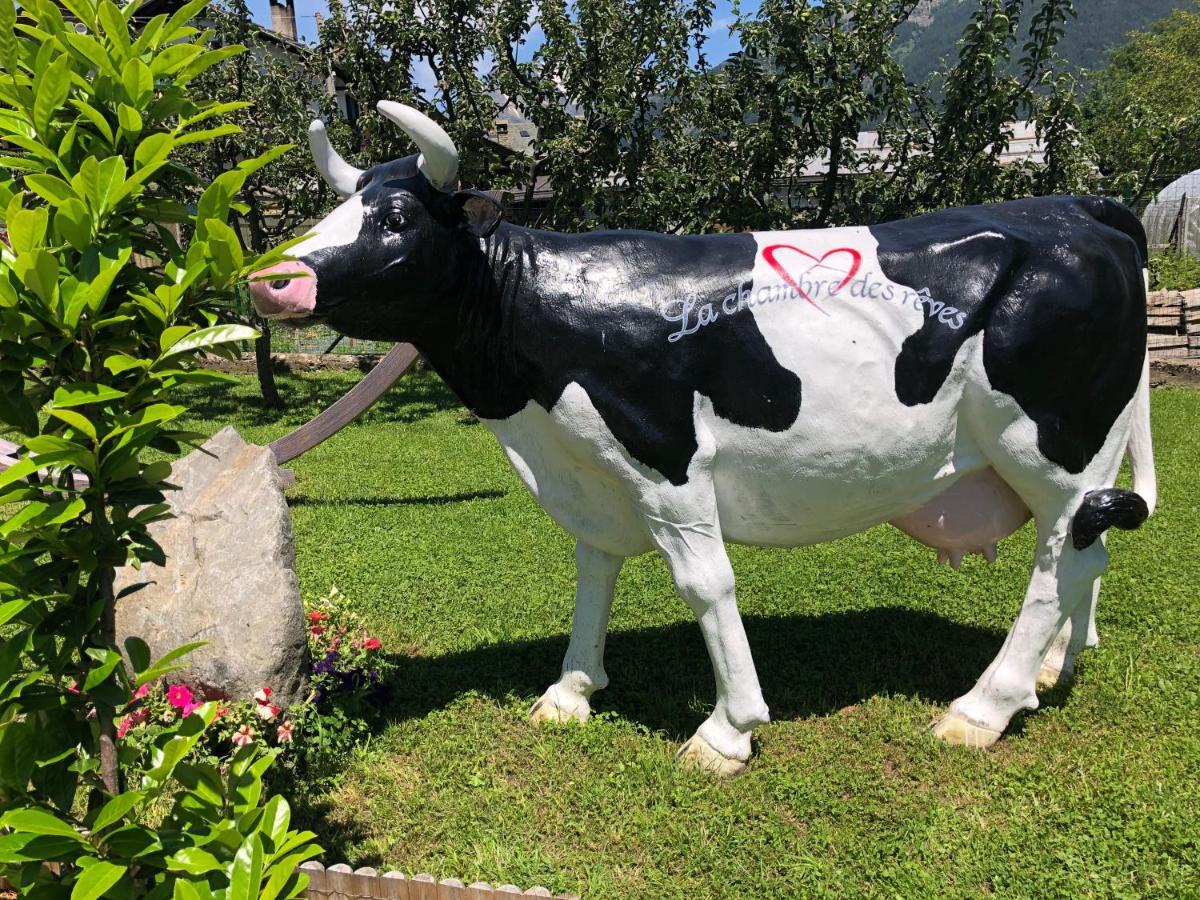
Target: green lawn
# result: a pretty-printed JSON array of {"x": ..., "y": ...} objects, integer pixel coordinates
[{"x": 414, "y": 513}]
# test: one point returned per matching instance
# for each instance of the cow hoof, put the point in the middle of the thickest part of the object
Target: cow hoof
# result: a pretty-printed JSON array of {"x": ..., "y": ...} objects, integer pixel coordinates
[
  {"x": 957, "y": 729},
  {"x": 696, "y": 753},
  {"x": 557, "y": 705},
  {"x": 1051, "y": 677}
]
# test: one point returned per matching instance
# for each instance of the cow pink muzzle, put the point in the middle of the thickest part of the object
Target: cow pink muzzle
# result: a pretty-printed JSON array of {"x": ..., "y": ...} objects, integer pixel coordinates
[{"x": 284, "y": 298}]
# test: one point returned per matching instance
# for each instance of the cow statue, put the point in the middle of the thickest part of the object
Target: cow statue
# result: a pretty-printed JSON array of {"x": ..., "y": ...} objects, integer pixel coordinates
[{"x": 953, "y": 374}]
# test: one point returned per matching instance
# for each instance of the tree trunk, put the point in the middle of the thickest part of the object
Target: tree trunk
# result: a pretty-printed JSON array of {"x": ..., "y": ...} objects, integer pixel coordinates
[
  {"x": 266, "y": 371},
  {"x": 110, "y": 765}
]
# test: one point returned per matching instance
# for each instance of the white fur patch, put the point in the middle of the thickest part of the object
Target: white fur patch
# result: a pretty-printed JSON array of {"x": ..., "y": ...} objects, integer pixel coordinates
[{"x": 339, "y": 228}]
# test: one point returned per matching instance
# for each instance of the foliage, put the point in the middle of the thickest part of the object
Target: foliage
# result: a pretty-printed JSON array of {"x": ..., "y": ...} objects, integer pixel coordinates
[
  {"x": 1143, "y": 115},
  {"x": 634, "y": 129},
  {"x": 105, "y": 308},
  {"x": 376, "y": 45},
  {"x": 860, "y": 644},
  {"x": 218, "y": 839},
  {"x": 949, "y": 143},
  {"x": 273, "y": 91},
  {"x": 1174, "y": 272}
]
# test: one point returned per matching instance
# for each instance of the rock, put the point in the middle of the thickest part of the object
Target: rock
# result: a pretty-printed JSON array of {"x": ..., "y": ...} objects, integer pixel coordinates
[{"x": 229, "y": 577}]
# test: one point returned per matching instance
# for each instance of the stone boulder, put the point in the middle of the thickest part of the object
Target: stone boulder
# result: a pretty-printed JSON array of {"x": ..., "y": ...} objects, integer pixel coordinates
[{"x": 229, "y": 577}]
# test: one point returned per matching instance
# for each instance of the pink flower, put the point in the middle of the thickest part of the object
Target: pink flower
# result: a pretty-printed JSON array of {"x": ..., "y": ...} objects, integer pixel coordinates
[
  {"x": 318, "y": 630},
  {"x": 142, "y": 691},
  {"x": 285, "y": 732},
  {"x": 243, "y": 736},
  {"x": 180, "y": 697},
  {"x": 222, "y": 711},
  {"x": 262, "y": 695},
  {"x": 73, "y": 687},
  {"x": 316, "y": 617},
  {"x": 188, "y": 708},
  {"x": 371, "y": 644},
  {"x": 137, "y": 717},
  {"x": 267, "y": 711}
]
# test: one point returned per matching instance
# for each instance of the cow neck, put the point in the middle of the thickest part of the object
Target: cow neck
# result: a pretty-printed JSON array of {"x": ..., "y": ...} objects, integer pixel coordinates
[{"x": 474, "y": 343}]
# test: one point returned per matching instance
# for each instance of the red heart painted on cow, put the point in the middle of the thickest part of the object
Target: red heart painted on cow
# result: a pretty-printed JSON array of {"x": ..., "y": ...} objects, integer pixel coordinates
[{"x": 769, "y": 255}]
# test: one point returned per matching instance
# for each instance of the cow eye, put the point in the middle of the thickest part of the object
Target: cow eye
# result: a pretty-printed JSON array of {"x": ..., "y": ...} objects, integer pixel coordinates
[{"x": 394, "y": 221}]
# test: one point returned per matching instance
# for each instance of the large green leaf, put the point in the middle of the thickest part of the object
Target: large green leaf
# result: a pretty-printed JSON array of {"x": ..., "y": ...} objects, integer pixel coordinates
[
  {"x": 8, "y": 42},
  {"x": 50, "y": 93},
  {"x": 37, "y": 821},
  {"x": 96, "y": 879},
  {"x": 83, "y": 392},
  {"x": 211, "y": 337},
  {"x": 117, "y": 808},
  {"x": 246, "y": 877},
  {"x": 194, "y": 861},
  {"x": 50, "y": 187},
  {"x": 74, "y": 223}
]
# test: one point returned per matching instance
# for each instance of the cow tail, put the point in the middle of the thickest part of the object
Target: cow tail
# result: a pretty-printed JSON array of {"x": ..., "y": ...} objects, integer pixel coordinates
[{"x": 1139, "y": 446}]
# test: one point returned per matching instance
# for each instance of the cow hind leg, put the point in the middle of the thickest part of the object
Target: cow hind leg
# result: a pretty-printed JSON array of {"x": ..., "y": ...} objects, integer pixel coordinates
[
  {"x": 1079, "y": 631},
  {"x": 1062, "y": 582},
  {"x": 568, "y": 699}
]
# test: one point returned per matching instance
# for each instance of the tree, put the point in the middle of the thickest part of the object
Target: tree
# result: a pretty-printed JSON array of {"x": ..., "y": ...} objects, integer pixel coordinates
[
  {"x": 273, "y": 90},
  {"x": 635, "y": 129},
  {"x": 1143, "y": 115}
]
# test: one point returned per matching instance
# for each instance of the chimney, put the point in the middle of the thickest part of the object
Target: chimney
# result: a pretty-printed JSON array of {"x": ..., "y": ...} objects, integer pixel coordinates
[{"x": 283, "y": 18}]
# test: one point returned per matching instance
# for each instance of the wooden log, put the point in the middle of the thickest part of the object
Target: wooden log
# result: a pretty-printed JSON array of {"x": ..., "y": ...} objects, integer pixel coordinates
[
  {"x": 316, "y": 880},
  {"x": 356, "y": 401},
  {"x": 537, "y": 892},
  {"x": 451, "y": 889},
  {"x": 480, "y": 890},
  {"x": 395, "y": 886},
  {"x": 423, "y": 887},
  {"x": 1165, "y": 320},
  {"x": 341, "y": 883}
]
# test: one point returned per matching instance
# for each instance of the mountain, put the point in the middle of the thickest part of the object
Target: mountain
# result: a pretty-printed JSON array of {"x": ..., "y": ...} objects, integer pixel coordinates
[{"x": 928, "y": 37}]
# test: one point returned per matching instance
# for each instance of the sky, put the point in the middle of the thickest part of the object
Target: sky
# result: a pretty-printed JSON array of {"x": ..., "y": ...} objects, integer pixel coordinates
[{"x": 719, "y": 45}]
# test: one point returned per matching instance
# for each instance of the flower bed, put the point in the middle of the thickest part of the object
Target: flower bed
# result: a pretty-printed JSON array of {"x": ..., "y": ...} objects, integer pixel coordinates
[{"x": 347, "y": 667}]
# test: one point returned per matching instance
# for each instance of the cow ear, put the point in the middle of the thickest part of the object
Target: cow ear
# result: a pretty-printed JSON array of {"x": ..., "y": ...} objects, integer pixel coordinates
[{"x": 480, "y": 212}]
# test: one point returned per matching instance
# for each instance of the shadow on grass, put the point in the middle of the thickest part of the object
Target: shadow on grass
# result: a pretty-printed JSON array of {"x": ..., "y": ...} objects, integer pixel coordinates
[
  {"x": 439, "y": 500},
  {"x": 412, "y": 398},
  {"x": 662, "y": 678}
]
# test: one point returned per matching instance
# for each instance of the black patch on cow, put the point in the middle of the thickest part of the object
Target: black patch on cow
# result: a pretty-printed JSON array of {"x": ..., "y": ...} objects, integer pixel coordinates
[
  {"x": 534, "y": 311},
  {"x": 1055, "y": 284},
  {"x": 1101, "y": 510}
]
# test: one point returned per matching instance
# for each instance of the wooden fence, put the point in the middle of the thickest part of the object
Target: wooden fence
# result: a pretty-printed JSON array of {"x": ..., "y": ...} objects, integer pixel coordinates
[
  {"x": 340, "y": 882},
  {"x": 1173, "y": 318}
]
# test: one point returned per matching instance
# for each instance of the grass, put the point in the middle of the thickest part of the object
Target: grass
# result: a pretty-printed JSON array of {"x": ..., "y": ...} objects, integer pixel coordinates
[{"x": 416, "y": 516}]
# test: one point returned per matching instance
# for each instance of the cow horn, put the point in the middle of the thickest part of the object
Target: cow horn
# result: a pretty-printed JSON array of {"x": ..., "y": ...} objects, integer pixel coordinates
[
  {"x": 338, "y": 174},
  {"x": 439, "y": 157}
]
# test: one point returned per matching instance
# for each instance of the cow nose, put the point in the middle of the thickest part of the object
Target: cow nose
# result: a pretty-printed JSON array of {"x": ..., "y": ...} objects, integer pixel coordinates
[{"x": 282, "y": 298}]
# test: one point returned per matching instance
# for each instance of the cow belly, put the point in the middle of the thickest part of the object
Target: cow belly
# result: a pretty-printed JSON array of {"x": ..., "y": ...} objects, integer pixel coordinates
[{"x": 968, "y": 517}]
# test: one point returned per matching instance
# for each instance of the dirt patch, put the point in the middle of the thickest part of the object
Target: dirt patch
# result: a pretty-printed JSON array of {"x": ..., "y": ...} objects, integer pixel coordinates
[
  {"x": 1175, "y": 373},
  {"x": 298, "y": 363}
]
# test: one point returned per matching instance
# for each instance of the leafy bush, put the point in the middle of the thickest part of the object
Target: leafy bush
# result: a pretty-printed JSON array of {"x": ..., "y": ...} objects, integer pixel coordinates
[
  {"x": 1174, "y": 272},
  {"x": 92, "y": 344}
]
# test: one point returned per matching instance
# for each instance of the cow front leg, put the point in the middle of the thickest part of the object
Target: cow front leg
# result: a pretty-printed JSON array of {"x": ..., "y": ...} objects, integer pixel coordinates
[
  {"x": 700, "y": 568},
  {"x": 583, "y": 666}
]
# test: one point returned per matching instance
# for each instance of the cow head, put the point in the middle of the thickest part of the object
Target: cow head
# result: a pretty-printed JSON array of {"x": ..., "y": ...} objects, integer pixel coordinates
[{"x": 377, "y": 265}]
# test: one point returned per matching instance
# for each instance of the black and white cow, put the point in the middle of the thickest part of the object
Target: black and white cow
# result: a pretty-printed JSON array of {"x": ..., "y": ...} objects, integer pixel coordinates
[{"x": 952, "y": 374}]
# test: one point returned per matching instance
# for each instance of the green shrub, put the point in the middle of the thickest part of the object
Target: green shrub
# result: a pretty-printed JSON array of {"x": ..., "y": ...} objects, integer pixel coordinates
[
  {"x": 104, "y": 310},
  {"x": 1174, "y": 272}
]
